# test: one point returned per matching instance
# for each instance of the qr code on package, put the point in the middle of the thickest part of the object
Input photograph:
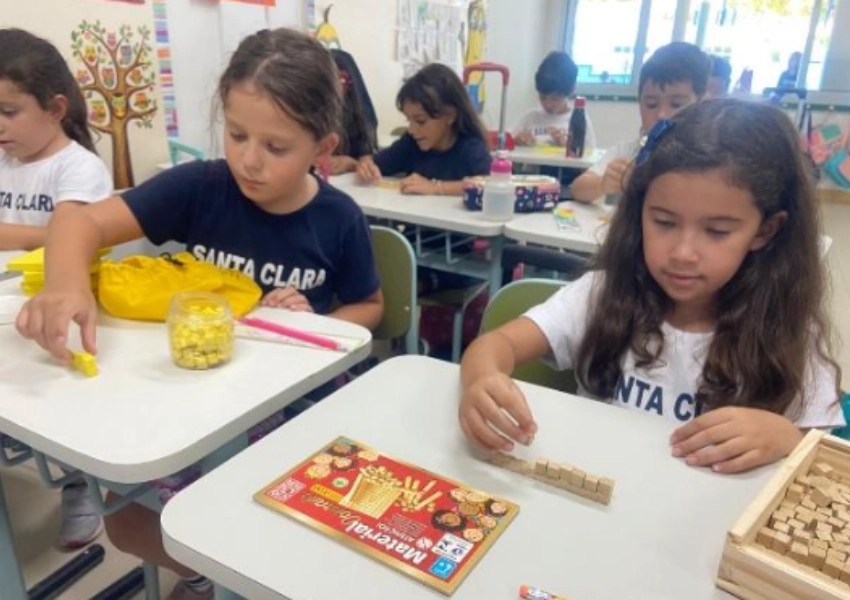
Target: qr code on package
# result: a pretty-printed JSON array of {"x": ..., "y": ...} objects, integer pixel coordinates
[{"x": 286, "y": 489}]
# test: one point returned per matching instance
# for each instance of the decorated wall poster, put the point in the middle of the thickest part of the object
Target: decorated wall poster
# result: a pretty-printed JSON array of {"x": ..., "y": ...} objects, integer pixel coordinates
[
  {"x": 430, "y": 31},
  {"x": 123, "y": 83},
  {"x": 423, "y": 525},
  {"x": 115, "y": 71},
  {"x": 166, "y": 74},
  {"x": 474, "y": 48}
]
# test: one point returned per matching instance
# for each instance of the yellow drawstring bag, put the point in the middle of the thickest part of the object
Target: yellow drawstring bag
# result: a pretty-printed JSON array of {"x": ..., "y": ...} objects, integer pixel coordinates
[{"x": 141, "y": 287}]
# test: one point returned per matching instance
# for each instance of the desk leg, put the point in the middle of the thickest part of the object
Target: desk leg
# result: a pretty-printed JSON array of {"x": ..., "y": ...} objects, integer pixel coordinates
[
  {"x": 151, "y": 581},
  {"x": 10, "y": 569},
  {"x": 496, "y": 244},
  {"x": 222, "y": 593}
]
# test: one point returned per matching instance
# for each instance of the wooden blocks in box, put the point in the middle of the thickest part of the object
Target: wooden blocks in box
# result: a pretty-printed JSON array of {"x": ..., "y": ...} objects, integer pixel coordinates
[
  {"x": 793, "y": 541},
  {"x": 565, "y": 477}
]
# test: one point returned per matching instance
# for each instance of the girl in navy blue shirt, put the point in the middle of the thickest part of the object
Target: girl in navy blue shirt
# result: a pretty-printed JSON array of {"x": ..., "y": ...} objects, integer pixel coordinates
[{"x": 445, "y": 140}]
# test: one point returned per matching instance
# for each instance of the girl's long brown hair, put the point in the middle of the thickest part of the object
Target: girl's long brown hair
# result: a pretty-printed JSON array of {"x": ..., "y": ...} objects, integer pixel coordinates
[
  {"x": 36, "y": 67},
  {"x": 770, "y": 317},
  {"x": 436, "y": 87}
]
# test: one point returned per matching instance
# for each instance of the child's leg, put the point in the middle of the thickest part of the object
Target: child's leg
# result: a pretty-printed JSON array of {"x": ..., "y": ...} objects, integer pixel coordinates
[{"x": 135, "y": 530}]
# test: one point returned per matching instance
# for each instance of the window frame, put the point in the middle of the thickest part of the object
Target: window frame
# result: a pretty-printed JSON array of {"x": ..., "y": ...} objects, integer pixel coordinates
[{"x": 829, "y": 100}]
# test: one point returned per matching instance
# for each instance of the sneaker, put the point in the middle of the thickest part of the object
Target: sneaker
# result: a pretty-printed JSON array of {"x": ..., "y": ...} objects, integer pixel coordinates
[
  {"x": 182, "y": 591},
  {"x": 81, "y": 522}
]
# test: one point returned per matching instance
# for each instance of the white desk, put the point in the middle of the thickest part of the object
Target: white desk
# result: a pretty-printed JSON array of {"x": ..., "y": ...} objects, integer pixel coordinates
[
  {"x": 530, "y": 155},
  {"x": 438, "y": 212},
  {"x": 143, "y": 418},
  {"x": 661, "y": 537},
  {"x": 6, "y": 256},
  {"x": 541, "y": 228}
]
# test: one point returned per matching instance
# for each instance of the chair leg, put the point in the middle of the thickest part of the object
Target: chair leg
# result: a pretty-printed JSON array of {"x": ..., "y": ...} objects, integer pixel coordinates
[
  {"x": 151, "y": 581},
  {"x": 457, "y": 335}
]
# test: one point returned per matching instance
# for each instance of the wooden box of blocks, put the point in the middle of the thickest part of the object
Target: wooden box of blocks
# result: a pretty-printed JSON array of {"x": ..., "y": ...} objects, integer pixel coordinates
[{"x": 793, "y": 541}]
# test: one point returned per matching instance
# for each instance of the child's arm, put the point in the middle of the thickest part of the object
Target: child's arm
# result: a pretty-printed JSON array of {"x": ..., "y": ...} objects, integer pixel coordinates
[
  {"x": 73, "y": 238},
  {"x": 367, "y": 312},
  {"x": 21, "y": 237},
  {"x": 29, "y": 237},
  {"x": 416, "y": 184},
  {"x": 734, "y": 439},
  {"x": 590, "y": 185},
  {"x": 493, "y": 411},
  {"x": 343, "y": 164}
]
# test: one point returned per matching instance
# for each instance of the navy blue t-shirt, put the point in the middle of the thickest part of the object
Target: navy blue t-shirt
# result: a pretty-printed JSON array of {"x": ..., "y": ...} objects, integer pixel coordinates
[
  {"x": 323, "y": 249},
  {"x": 468, "y": 156}
]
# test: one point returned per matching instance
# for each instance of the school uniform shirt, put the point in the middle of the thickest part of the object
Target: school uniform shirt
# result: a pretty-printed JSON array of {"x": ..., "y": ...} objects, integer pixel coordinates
[
  {"x": 467, "y": 157},
  {"x": 323, "y": 249},
  {"x": 538, "y": 122},
  {"x": 667, "y": 391},
  {"x": 626, "y": 150},
  {"x": 29, "y": 192}
]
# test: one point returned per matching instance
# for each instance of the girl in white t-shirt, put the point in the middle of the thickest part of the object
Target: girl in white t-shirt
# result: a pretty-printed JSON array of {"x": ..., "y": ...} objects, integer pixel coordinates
[
  {"x": 706, "y": 305},
  {"x": 47, "y": 164},
  {"x": 47, "y": 158}
]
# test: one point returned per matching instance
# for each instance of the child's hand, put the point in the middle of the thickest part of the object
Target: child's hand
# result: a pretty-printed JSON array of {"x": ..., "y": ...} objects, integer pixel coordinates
[
  {"x": 416, "y": 184},
  {"x": 493, "y": 412},
  {"x": 735, "y": 439},
  {"x": 48, "y": 315},
  {"x": 616, "y": 176},
  {"x": 525, "y": 138},
  {"x": 343, "y": 164},
  {"x": 559, "y": 136},
  {"x": 367, "y": 170},
  {"x": 287, "y": 297}
]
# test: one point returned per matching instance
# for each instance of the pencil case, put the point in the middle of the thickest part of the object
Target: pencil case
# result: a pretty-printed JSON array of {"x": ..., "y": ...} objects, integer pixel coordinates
[{"x": 534, "y": 193}]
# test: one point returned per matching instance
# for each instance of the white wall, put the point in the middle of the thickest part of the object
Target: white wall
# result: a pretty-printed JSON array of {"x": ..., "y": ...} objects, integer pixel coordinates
[{"x": 204, "y": 34}]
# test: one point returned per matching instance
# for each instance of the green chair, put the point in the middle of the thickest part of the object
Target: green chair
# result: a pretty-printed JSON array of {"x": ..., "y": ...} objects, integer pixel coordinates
[
  {"x": 509, "y": 303},
  {"x": 175, "y": 149},
  {"x": 396, "y": 266}
]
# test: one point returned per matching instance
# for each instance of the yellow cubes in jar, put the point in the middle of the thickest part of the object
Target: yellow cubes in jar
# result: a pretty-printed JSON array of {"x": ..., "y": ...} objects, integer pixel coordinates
[{"x": 200, "y": 330}]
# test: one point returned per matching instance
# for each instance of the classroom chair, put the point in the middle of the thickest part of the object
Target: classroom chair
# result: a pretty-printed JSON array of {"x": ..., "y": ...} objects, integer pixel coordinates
[
  {"x": 511, "y": 302},
  {"x": 458, "y": 300},
  {"x": 563, "y": 265},
  {"x": 175, "y": 149},
  {"x": 396, "y": 266}
]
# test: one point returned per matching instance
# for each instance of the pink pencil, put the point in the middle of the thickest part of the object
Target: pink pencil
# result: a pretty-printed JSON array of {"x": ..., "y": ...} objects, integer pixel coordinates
[{"x": 304, "y": 336}]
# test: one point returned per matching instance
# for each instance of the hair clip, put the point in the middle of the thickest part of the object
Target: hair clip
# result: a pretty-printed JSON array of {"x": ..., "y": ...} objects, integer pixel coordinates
[{"x": 650, "y": 141}]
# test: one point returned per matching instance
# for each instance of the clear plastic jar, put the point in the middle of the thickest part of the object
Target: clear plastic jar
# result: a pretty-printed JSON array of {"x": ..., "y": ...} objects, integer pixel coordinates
[{"x": 200, "y": 330}]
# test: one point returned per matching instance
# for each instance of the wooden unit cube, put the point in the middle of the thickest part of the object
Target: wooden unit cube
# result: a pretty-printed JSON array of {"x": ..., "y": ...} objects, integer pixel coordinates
[
  {"x": 577, "y": 478},
  {"x": 553, "y": 471},
  {"x": 782, "y": 527},
  {"x": 803, "y": 536},
  {"x": 832, "y": 567},
  {"x": 564, "y": 473},
  {"x": 820, "y": 544},
  {"x": 795, "y": 492},
  {"x": 822, "y": 468},
  {"x": 765, "y": 537},
  {"x": 541, "y": 465},
  {"x": 817, "y": 558},
  {"x": 605, "y": 487},
  {"x": 845, "y": 573},
  {"x": 781, "y": 542},
  {"x": 799, "y": 552},
  {"x": 591, "y": 482}
]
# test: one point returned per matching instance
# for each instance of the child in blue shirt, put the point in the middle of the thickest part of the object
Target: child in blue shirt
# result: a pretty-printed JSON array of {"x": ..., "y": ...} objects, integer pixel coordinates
[
  {"x": 445, "y": 140},
  {"x": 260, "y": 211}
]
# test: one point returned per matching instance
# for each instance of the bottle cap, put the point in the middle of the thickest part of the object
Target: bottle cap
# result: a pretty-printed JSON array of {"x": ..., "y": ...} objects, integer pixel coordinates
[{"x": 580, "y": 102}]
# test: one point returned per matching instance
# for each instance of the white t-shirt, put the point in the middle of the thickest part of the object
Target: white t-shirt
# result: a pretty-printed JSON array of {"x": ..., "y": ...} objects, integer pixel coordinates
[
  {"x": 626, "y": 150},
  {"x": 667, "y": 391},
  {"x": 30, "y": 191},
  {"x": 538, "y": 122}
]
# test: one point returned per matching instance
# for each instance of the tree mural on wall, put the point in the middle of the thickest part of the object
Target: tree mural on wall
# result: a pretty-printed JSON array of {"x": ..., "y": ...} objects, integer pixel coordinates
[{"x": 118, "y": 83}]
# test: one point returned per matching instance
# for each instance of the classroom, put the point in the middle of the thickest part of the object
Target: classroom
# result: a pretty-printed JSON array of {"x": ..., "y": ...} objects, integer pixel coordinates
[{"x": 539, "y": 299}]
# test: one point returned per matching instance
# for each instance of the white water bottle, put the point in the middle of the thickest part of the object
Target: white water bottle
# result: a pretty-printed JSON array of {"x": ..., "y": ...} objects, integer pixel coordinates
[{"x": 499, "y": 194}]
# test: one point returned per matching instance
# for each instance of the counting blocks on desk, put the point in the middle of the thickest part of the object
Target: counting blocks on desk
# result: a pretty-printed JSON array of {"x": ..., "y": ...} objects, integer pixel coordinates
[
  {"x": 562, "y": 476},
  {"x": 84, "y": 362}
]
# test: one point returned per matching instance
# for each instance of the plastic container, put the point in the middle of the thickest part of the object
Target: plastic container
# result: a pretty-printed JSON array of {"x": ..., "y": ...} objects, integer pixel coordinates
[
  {"x": 577, "y": 131},
  {"x": 499, "y": 195},
  {"x": 200, "y": 330},
  {"x": 532, "y": 193}
]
